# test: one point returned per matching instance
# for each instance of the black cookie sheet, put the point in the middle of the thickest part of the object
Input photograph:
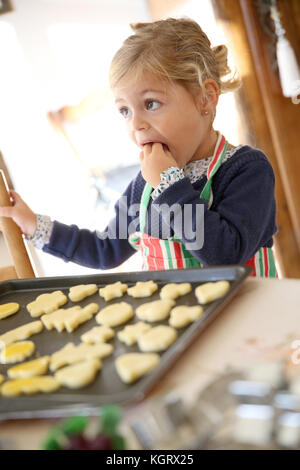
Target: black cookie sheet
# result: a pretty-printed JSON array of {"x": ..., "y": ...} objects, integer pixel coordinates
[{"x": 107, "y": 387}]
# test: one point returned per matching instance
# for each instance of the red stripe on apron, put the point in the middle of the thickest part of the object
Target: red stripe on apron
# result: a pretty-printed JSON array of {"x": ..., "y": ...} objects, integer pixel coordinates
[
  {"x": 251, "y": 263},
  {"x": 155, "y": 257},
  {"x": 220, "y": 149},
  {"x": 178, "y": 255},
  {"x": 266, "y": 262},
  {"x": 157, "y": 254}
]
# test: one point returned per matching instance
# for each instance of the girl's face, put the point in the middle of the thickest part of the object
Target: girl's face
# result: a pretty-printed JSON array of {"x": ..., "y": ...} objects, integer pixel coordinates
[{"x": 158, "y": 111}]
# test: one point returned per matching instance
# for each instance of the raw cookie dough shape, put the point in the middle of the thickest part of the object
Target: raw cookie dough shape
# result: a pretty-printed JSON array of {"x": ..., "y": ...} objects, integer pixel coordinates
[
  {"x": 155, "y": 311},
  {"x": 21, "y": 333},
  {"x": 98, "y": 334},
  {"x": 79, "y": 375},
  {"x": 133, "y": 366},
  {"x": 130, "y": 333},
  {"x": 8, "y": 309},
  {"x": 30, "y": 368},
  {"x": 70, "y": 354},
  {"x": 142, "y": 289},
  {"x": 45, "y": 384},
  {"x": 183, "y": 315},
  {"x": 173, "y": 291},
  {"x": 16, "y": 352},
  {"x": 210, "y": 291},
  {"x": 69, "y": 318},
  {"x": 111, "y": 291},
  {"x": 47, "y": 303},
  {"x": 58, "y": 318},
  {"x": 157, "y": 339},
  {"x": 115, "y": 314},
  {"x": 77, "y": 293}
]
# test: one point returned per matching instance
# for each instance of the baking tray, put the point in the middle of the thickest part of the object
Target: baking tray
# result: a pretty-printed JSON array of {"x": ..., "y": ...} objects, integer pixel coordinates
[{"x": 108, "y": 387}]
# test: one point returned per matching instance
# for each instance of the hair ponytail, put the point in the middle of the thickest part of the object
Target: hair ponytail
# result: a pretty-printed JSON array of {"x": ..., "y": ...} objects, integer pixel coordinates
[{"x": 221, "y": 58}]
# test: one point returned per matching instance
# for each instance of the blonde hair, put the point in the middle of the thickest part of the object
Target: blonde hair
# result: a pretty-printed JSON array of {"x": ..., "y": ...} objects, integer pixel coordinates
[{"x": 176, "y": 50}]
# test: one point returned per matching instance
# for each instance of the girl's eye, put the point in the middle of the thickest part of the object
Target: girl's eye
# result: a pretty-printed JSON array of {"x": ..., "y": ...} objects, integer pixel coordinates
[
  {"x": 152, "y": 105},
  {"x": 125, "y": 112}
]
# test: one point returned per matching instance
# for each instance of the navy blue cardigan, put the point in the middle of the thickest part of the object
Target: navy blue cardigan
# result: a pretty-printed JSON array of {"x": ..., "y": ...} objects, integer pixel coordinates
[{"x": 240, "y": 221}]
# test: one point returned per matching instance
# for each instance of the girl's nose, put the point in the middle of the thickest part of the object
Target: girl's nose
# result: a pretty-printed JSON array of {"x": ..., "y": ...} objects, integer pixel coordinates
[{"x": 139, "y": 123}]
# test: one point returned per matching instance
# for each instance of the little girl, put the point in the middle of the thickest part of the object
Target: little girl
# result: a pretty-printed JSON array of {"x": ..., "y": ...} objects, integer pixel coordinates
[{"x": 166, "y": 79}]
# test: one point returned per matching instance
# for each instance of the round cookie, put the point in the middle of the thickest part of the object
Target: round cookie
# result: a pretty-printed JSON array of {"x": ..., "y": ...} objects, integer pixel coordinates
[{"x": 115, "y": 314}]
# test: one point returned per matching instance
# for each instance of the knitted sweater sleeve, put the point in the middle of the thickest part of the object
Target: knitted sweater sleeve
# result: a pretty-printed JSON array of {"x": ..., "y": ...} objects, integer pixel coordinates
[
  {"x": 240, "y": 221},
  {"x": 98, "y": 250}
]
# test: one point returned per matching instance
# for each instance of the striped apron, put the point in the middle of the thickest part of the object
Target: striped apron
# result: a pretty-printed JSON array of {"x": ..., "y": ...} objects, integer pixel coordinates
[{"x": 171, "y": 253}]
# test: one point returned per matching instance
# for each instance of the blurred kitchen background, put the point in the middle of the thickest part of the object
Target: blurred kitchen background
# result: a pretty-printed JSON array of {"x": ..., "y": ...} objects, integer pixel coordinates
[{"x": 63, "y": 144}]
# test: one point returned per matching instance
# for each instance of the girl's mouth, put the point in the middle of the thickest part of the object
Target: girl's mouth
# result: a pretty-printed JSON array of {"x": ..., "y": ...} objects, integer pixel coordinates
[{"x": 165, "y": 147}]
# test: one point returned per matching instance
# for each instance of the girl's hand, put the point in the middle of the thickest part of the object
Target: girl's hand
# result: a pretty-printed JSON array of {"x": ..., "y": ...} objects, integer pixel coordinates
[
  {"x": 21, "y": 214},
  {"x": 155, "y": 159}
]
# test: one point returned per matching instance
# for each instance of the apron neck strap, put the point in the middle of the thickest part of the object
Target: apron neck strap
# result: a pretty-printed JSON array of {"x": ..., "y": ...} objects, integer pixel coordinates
[
  {"x": 144, "y": 205},
  {"x": 215, "y": 164}
]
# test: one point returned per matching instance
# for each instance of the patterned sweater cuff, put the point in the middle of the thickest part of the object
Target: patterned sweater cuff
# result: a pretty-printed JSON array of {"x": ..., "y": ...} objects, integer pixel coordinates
[
  {"x": 168, "y": 177},
  {"x": 42, "y": 233}
]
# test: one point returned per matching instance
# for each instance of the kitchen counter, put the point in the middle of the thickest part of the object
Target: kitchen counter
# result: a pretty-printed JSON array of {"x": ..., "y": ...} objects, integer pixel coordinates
[{"x": 259, "y": 324}]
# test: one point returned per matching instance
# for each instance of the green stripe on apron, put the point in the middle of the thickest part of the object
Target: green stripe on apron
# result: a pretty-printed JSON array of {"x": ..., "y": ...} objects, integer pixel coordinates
[
  {"x": 167, "y": 246},
  {"x": 272, "y": 267},
  {"x": 261, "y": 262}
]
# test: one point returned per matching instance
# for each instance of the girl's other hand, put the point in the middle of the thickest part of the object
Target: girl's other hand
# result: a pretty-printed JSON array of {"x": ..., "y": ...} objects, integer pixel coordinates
[
  {"x": 21, "y": 214},
  {"x": 155, "y": 158}
]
